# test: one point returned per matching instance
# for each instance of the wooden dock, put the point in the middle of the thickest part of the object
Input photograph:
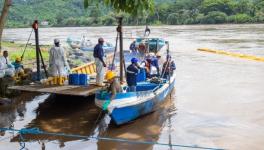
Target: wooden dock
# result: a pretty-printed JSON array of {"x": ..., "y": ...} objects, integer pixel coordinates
[{"x": 61, "y": 90}]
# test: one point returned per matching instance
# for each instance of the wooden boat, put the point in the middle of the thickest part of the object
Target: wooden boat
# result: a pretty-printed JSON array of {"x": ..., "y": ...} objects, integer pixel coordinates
[{"x": 131, "y": 105}]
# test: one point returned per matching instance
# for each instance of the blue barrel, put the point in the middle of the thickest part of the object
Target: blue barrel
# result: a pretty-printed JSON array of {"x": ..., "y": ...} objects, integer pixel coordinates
[
  {"x": 82, "y": 79},
  {"x": 141, "y": 76},
  {"x": 74, "y": 79}
]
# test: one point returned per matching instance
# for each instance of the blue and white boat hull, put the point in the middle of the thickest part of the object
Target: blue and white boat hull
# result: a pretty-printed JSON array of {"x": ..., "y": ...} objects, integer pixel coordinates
[{"x": 129, "y": 106}]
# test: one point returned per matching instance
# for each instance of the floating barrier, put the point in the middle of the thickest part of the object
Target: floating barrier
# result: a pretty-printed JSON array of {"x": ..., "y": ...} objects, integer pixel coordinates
[{"x": 243, "y": 56}]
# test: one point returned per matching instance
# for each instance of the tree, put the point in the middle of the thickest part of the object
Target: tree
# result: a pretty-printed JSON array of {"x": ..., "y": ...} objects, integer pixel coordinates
[
  {"x": 217, "y": 5},
  {"x": 133, "y": 7},
  {"x": 4, "y": 14}
]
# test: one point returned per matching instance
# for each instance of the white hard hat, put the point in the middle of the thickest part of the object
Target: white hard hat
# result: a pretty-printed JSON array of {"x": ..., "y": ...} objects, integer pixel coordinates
[{"x": 56, "y": 41}]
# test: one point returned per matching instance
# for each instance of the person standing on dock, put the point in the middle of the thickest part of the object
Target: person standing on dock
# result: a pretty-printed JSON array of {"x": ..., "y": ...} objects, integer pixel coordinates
[
  {"x": 58, "y": 65},
  {"x": 132, "y": 71},
  {"x": 99, "y": 62}
]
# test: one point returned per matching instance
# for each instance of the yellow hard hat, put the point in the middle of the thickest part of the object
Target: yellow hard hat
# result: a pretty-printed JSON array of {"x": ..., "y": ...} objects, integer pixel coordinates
[
  {"x": 110, "y": 75},
  {"x": 18, "y": 59}
]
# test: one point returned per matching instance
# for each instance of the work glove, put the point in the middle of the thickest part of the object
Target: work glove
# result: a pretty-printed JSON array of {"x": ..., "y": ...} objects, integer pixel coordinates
[{"x": 106, "y": 104}]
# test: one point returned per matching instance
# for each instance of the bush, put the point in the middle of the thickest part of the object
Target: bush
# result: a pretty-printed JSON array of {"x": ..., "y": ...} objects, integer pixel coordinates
[
  {"x": 108, "y": 20},
  {"x": 214, "y": 17},
  {"x": 172, "y": 18},
  {"x": 242, "y": 18}
]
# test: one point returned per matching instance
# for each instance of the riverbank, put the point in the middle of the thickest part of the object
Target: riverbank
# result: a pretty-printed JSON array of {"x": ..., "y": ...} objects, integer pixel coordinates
[
  {"x": 75, "y": 57},
  {"x": 16, "y": 50}
]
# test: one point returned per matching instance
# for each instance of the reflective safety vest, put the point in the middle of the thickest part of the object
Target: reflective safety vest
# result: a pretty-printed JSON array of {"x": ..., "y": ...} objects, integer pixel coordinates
[{"x": 132, "y": 72}]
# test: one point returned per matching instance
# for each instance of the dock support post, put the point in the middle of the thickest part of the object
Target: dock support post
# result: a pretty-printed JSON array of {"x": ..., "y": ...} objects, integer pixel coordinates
[
  {"x": 35, "y": 27},
  {"x": 119, "y": 29}
]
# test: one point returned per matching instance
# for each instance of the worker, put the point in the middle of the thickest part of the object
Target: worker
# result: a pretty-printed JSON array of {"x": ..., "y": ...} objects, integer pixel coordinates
[
  {"x": 155, "y": 64},
  {"x": 141, "y": 51},
  {"x": 168, "y": 67},
  {"x": 58, "y": 65},
  {"x": 99, "y": 62},
  {"x": 132, "y": 46},
  {"x": 8, "y": 68},
  {"x": 132, "y": 71},
  {"x": 18, "y": 65},
  {"x": 115, "y": 86},
  {"x": 146, "y": 63},
  {"x": 147, "y": 31}
]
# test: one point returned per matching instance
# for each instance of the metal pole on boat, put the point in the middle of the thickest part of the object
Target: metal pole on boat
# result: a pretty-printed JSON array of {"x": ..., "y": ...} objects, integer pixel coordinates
[
  {"x": 119, "y": 29},
  {"x": 35, "y": 27}
]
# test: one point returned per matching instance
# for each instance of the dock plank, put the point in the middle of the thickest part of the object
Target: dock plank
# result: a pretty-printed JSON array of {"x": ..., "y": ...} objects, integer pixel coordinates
[{"x": 62, "y": 90}]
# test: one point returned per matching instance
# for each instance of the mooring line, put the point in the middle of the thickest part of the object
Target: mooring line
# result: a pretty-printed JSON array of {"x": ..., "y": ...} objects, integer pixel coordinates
[
  {"x": 37, "y": 131},
  {"x": 238, "y": 55}
]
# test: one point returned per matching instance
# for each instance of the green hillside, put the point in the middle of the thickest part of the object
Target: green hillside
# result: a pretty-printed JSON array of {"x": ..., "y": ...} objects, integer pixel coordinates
[{"x": 72, "y": 13}]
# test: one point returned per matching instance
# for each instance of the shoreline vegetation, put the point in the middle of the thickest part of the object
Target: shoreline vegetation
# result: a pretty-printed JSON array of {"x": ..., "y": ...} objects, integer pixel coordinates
[
  {"x": 16, "y": 49},
  {"x": 75, "y": 57},
  {"x": 167, "y": 12}
]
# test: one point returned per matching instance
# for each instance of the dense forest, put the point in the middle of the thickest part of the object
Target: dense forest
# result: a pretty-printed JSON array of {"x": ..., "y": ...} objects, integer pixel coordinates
[{"x": 172, "y": 12}]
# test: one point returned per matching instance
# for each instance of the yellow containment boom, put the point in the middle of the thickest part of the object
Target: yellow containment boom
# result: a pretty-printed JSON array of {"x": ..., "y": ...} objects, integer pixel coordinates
[{"x": 243, "y": 56}]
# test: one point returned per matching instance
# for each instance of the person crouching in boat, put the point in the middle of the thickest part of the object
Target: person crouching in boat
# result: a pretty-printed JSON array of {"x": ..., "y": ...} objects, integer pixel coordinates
[
  {"x": 132, "y": 71},
  {"x": 168, "y": 67},
  {"x": 114, "y": 85}
]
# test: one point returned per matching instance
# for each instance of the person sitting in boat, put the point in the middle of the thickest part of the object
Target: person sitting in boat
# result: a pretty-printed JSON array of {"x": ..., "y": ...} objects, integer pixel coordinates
[
  {"x": 155, "y": 70},
  {"x": 115, "y": 86},
  {"x": 168, "y": 67},
  {"x": 133, "y": 47},
  {"x": 132, "y": 71}
]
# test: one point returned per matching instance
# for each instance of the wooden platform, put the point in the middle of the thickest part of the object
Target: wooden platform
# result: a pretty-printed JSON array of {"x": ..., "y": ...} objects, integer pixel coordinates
[{"x": 61, "y": 90}]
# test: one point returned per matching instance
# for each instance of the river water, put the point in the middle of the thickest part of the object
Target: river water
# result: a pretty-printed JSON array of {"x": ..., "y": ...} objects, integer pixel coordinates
[{"x": 218, "y": 100}]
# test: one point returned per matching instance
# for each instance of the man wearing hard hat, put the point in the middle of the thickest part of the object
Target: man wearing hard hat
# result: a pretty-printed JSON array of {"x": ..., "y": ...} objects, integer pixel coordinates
[
  {"x": 58, "y": 65},
  {"x": 114, "y": 86}
]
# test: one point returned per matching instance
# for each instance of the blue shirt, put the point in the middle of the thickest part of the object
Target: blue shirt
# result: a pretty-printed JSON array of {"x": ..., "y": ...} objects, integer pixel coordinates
[
  {"x": 155, "y": 62},
  {"x": 132, "y": 47},
  {"x": 98, "y": 51},
  {"x": 17, "y": 65},
  {"x": 132, "y": 72}
]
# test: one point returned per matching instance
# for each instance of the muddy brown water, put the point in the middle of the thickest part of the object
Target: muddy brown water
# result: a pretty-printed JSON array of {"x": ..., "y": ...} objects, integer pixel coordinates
[{"x": 218, "y": 100}]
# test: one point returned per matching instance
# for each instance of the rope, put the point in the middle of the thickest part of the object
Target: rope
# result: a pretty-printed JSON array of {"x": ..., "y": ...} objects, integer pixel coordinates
[
  {"x": 37, "y": 131},
  {"x": 113, "y": 61},
  {"x": 26, "y": 45}
]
